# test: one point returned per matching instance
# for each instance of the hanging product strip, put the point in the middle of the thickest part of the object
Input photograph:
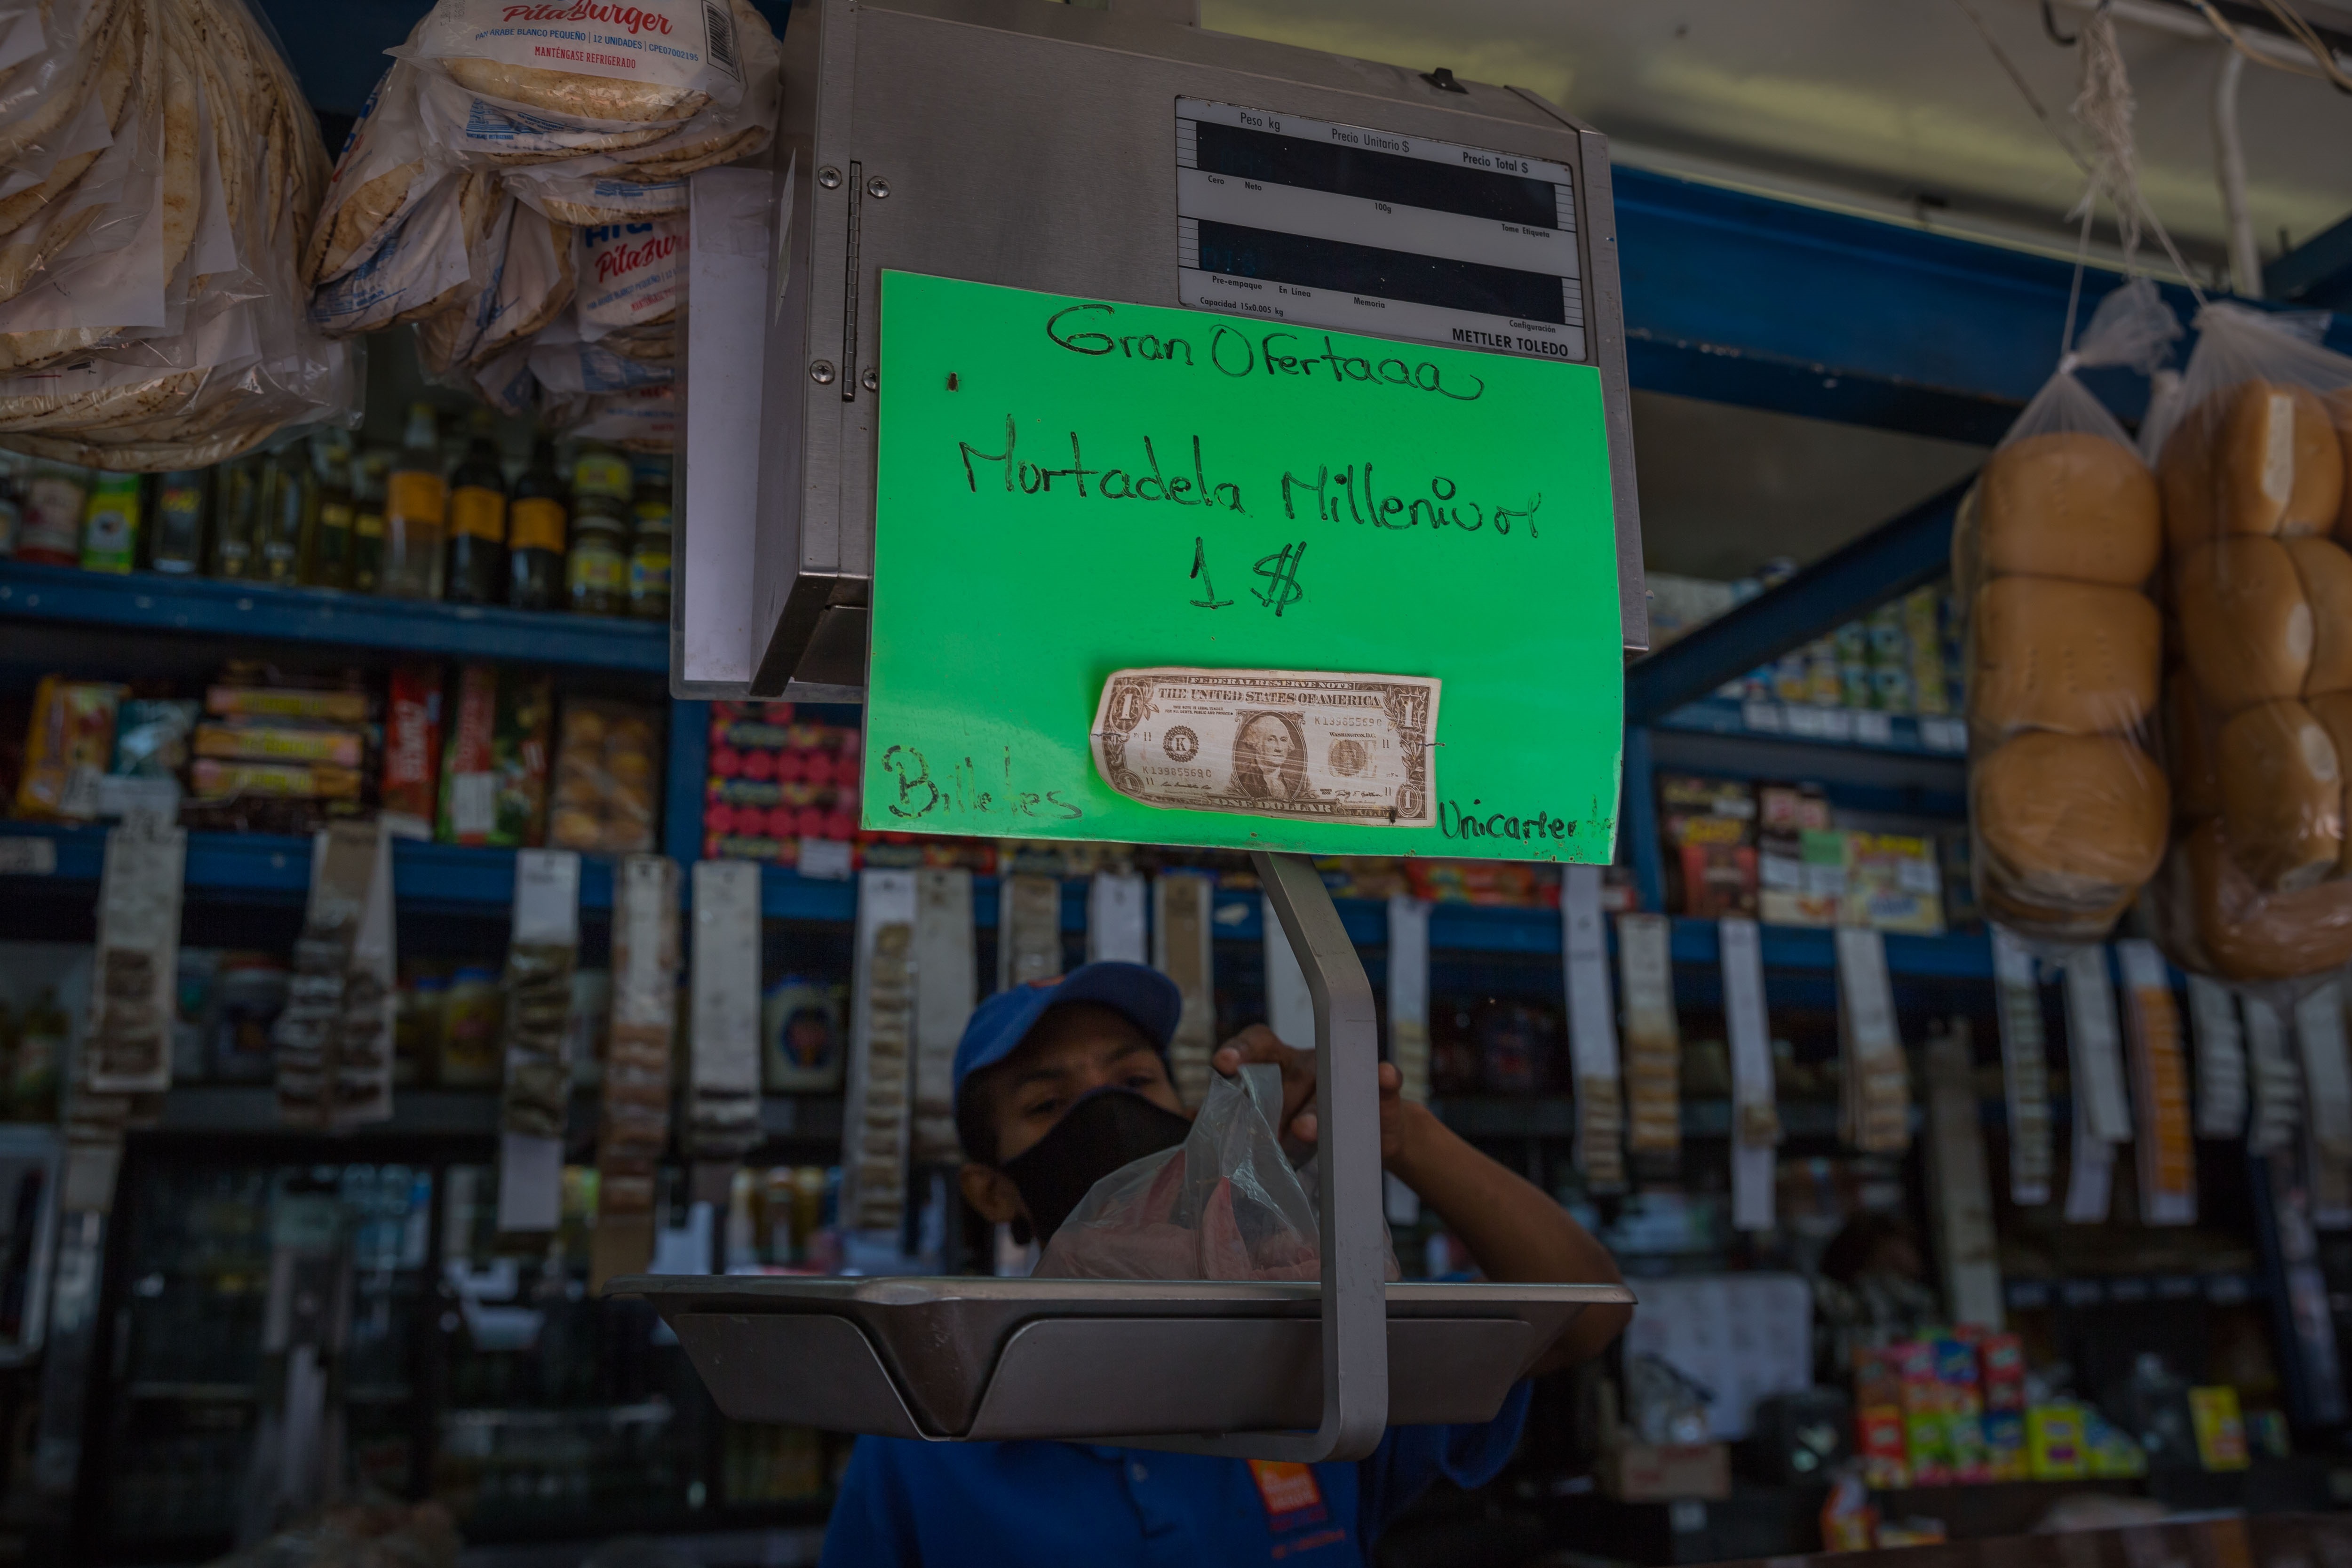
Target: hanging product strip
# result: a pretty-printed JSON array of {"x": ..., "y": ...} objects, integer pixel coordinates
[
  {"x": 333, "y": 1040},
  {"x": 2327, "y": 1089},
  {"x": 2024, "y": 1072},
  {"x": 1182, "y": 931},
  {"x": 134, "y": 1005},
  {"x": 944, "y": 979},
  {"x": 876, "y": 1129},
  {"x": 2277, "y": 1081},
  {"x": 634, "y": 1129},
  {"x": 1593, "y": 1030},
  {"x": 2094, "y": 1055},
  {"x": 1755, "y": 1121},
  {"x": 1962, "y": 1193},
  {"x": 2221, "y": 1059},
  {"x": 2165, "y": 1146},
  {"x": 722, "y": 1110},
  {"x": 536, "y": 1098},
  {"x": 1652, "y": 1035},
  {"x": 1115, "y": 903},
  {"x": 1409, "y": 994},
  {"x": 1875, "y": 1101},
  {"x": 1028, "y": 931}
]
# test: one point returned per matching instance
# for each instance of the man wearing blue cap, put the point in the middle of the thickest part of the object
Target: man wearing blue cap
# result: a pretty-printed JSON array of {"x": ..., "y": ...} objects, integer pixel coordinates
[{"x": 1059, "y": 1084}]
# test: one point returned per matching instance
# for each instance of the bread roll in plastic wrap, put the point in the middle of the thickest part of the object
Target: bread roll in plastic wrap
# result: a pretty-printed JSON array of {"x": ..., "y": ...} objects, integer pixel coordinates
[
  {"x": 2258, "y": 719},
  {"x": 2051, "y": 553}
]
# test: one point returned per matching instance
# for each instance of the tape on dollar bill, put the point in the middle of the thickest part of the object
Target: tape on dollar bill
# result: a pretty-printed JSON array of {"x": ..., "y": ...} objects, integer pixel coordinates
[{"x": 1273, "y": 742}]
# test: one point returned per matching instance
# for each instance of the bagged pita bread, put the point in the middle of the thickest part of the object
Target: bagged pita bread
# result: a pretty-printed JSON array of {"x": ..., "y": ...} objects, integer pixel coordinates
[
  {"x": 596, "y": 64},
  {"x": 380, "y": 174},
  {"x": 630, "y": 275}
]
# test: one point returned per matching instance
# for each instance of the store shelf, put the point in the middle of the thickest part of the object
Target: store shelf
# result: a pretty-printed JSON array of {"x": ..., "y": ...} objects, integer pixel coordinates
[
  {"x": 151, "y": 601},
  {"x": 2131, "y": 1289},
  {"x": 1899, "y": 733},
  {"x": 216, "y": 1108},
  {"x": 1554, "y": 1116}
]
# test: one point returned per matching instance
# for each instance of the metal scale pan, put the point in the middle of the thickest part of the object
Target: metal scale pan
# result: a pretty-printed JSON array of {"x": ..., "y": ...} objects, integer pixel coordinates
[
  {"x": 1257, "y": 1369},
  {"x": 1002, "y": 1359}
]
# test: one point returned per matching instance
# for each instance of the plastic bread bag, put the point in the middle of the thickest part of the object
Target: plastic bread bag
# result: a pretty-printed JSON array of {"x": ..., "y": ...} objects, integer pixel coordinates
[
  {"x": 632, "y": 275},
  {"x": 1223, "y": 1204},
  {"x": 382, "y": 173},
  {"x": 641, "y": 420},
  {"x": 2253, "y": 459},
  {"x": 2052, "y": 552},
  {"x": 52, "y": 52},
  {"x": 603, "y": 794},
  {"x": 426, "y": 264},
  {"x": 585, "y": 191},
  {"x": 588, "y": 63}
]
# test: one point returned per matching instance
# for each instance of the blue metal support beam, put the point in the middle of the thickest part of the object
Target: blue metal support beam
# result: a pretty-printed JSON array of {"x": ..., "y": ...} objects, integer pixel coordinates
[
  {"x": 2318, "y": 272},
  {"x": 1889, "y": 560}
]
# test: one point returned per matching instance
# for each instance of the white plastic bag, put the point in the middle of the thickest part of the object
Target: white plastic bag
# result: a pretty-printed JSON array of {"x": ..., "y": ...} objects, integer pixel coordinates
[
  {"x": 1223, "y": 1204},
  {"x": 593, "y": 61}
]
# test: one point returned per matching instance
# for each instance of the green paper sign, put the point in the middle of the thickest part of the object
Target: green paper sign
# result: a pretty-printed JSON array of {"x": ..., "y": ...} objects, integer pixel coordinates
[{"x": 1070, "y": 488}]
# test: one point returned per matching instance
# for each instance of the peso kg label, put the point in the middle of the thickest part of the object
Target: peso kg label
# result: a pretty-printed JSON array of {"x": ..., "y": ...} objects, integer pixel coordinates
[{"x": 1071, "y": 491}]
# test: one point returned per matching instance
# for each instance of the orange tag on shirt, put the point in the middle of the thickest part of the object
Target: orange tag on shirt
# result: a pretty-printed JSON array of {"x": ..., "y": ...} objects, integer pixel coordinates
[{"x": 1289, "y": 1490}]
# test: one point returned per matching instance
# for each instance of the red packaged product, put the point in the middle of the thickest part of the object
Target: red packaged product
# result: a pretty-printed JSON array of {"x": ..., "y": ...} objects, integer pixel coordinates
[
  {"x": 412, "y": 750},
  {"x": 2002, "y": 1359}
]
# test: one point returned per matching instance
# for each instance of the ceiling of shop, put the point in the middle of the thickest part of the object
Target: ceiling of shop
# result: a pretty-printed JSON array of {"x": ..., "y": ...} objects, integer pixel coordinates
[
  {"x": 1892, "y": 104},
  {"x": 1895, "y": 107}
]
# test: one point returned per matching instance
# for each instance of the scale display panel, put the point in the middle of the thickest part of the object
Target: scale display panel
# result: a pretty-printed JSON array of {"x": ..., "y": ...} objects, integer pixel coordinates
[{"x": 1290, "y": 218}]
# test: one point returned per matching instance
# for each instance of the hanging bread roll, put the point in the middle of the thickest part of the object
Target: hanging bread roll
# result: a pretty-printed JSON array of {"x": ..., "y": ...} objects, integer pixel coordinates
[
  {"x": 2077, "y": 657},
  {"x": 2282, "y": 791},
  {"x": 2246, "y": 627},
  {"x": 2069, "y": 824},
  {"x": 2324, "y": 569},
  {"x": 2241, "y": 933},
  {"x": 2260, "y": 458},
  {"x": 2070, "y": 504}
]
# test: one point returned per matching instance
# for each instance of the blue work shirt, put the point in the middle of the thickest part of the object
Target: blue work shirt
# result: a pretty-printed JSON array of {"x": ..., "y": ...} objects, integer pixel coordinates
[{"x": 977, "y": 1505}]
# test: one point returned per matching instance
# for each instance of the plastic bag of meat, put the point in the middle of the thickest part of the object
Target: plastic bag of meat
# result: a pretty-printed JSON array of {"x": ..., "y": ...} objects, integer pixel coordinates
[{"x": 1223, "y": 1204}]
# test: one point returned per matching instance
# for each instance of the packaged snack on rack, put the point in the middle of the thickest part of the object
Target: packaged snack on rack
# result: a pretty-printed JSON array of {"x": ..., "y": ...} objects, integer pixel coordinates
[
  {"x": 68, "y": 748},
  {"x": 2052, "y": 556},
  {"x": 2253, "y": 453},
  {"x": 1710, "y": 829},
  {"x": 604, "y": 770},
  {"x": 494, "y": 767}
]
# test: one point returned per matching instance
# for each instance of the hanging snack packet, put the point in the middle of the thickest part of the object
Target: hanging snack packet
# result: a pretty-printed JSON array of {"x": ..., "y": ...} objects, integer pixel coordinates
[
  {"x": 2051, "y": 556},
  {"x": 2258, "y": 716}
]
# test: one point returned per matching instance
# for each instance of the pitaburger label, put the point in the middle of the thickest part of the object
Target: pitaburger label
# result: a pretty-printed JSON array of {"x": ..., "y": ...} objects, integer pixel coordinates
[{"x": 1234, "y": 518}]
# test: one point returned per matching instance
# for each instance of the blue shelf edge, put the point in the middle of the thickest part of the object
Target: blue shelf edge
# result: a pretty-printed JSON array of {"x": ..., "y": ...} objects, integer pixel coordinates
[
  {"x": 454, "y": 876},
  {"x": 150, "y": 601},
  {"x": 1900, "y": 734}
]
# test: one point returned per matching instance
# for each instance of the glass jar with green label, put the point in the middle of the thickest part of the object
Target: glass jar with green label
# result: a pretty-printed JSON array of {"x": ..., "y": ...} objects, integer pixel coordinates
[
  {"x": 649, "y": 545},
  {"x": 597, "y": 567}
]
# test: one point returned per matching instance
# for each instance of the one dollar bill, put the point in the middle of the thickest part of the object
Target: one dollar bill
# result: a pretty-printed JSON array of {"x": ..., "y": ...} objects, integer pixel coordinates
[{"x": 1293, "y": 744}]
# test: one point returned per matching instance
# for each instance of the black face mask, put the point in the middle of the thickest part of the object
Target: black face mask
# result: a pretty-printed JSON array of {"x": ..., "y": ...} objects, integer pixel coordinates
[{"x": 1104, "y": 1129}]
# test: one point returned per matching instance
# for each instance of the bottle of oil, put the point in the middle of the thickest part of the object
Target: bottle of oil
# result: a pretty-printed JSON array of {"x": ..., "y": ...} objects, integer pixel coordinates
[
  {"x": 288, "y": 515},
  {"x": 331, "y": 546},
  {"x": 416, "y": 506},
  {"x": 368, "y": 476},
  {"x": 179, "y": 542},
  {"x": 536, "y": 534},
  {"x": 235, "y": 493},
  {"x": 478, "y": 526}
]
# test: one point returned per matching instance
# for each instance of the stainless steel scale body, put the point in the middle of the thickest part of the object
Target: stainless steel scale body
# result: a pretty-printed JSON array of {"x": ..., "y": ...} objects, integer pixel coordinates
[{"x": 1057, "y": 148}]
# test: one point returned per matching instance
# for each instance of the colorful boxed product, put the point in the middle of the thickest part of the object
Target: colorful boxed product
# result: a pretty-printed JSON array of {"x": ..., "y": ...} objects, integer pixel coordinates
[
  {"x": 68, "y": 748},
  {"x": 2055, "y": 1446},
  {"x": 1892, "y": 884},
  {"x": 494, "y": 772},
  {"x": 776, "y": 781},
  {"x": 412, "y": 750},
  {"x": 2001, "y": 1367},
  {"x": 1710, "y": 827},
  {"x": 2006, "y": 1458},
  {"x": 2220, "y": 1430}
]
